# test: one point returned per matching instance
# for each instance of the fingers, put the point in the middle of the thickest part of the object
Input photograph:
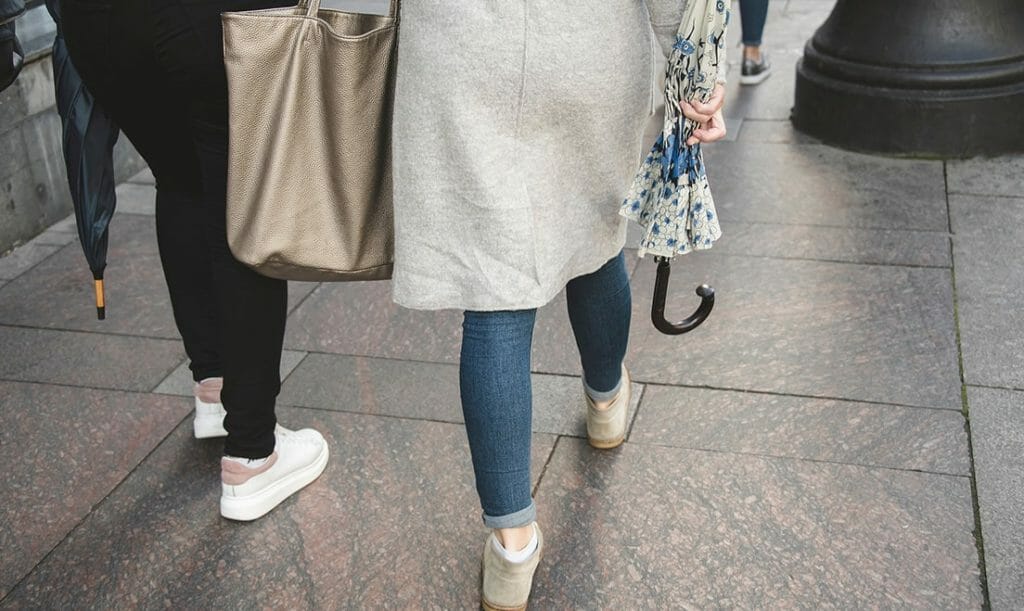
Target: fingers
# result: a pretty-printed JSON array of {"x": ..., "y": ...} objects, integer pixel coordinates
[
  {"x": 714, "y": 103},
  {"x": 691, "y": 113},
  {"x": 712, "y": 131}
]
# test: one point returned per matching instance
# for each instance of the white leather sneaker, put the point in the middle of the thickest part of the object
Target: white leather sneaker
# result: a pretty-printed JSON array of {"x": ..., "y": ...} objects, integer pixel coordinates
[
  {"x": 248, "y": 493},
  {"x": 209, "y": 420},
  {"x": 606, "y": 428}
]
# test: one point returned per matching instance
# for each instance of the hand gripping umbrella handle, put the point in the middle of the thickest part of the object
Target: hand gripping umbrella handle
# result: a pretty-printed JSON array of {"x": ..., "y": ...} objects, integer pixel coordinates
[{"x": 707, "y": 301}]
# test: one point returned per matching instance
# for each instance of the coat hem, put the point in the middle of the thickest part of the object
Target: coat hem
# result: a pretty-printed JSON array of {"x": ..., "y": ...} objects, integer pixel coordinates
[{"x": 456, "y": 300}]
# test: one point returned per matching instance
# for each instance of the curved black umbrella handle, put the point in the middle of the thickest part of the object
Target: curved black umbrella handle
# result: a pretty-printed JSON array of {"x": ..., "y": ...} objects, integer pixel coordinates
[{"x": 707, "y": 301}]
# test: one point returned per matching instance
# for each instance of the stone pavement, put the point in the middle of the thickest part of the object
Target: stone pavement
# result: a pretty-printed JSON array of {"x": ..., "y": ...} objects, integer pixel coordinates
[{"x": 845, "y": 431}]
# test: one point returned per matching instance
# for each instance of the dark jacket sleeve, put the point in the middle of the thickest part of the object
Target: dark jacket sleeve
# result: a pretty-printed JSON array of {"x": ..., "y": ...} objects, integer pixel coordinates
[
  {"x": 11, "y": 10},
  {"x": 11, "y": 55}
]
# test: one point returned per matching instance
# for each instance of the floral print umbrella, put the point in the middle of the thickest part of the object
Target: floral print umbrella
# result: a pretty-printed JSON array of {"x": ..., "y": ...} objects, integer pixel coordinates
[{"x": 670, "y": 197}]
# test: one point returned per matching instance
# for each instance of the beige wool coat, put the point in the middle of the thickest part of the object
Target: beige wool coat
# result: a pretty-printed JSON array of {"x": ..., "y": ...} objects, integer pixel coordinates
[{"x": 517, "y": 132}]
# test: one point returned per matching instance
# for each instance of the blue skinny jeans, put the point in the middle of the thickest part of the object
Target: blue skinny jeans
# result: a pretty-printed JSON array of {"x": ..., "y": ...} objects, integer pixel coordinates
[
  {"x": 497, "y": 397},
  {"x": 753, "y": 15}
]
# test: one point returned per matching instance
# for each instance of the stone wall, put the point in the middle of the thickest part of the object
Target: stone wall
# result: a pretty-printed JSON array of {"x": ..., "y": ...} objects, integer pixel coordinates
[{"x": 33, "y": 181}]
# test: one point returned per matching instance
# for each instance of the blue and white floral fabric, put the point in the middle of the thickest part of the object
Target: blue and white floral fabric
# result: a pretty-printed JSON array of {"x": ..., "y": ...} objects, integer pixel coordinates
[{"x": 670, "y": 196}]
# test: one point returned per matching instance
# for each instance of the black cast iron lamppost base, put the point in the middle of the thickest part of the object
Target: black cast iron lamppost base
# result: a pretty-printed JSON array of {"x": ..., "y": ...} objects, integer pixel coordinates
[{"x": 932, "y": 78}]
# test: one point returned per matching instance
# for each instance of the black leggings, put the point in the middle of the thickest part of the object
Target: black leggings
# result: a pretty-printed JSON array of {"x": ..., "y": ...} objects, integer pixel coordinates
[{"x": 157, "y": 67}]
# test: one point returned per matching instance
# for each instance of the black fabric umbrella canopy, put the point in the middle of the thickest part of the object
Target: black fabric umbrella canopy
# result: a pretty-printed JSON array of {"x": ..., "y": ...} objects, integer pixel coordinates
[
  {"x": 11, "y": 55},
  {"x": 89, "y": 137}
]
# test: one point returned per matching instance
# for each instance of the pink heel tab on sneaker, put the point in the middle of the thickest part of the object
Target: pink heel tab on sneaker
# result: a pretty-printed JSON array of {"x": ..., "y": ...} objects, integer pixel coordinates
[
  {"x": 234, "y": 473},
  {"x": 208, "y": 390}
]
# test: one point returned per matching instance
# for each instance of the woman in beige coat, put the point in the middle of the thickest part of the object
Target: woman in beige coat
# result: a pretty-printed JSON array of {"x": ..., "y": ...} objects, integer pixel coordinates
[{"x": 518, "y": 128}]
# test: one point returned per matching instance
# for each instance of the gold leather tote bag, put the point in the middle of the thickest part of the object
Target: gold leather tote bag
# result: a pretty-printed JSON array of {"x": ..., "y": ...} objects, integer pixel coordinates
[{"x": 311, "y": 93}]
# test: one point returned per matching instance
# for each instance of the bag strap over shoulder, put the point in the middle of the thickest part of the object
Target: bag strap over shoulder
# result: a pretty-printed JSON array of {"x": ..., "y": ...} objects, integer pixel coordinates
[{"x": 312, "y": 6}]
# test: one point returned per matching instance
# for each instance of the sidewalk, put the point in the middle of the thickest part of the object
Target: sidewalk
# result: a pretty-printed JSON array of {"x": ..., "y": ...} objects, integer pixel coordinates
[{"x": 806, "y": 447}]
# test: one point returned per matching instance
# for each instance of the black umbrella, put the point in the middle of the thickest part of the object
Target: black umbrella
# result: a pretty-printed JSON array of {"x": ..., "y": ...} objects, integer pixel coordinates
[
  {"x": 89, "y": 138},
  {"x": 11, "y": 56}
]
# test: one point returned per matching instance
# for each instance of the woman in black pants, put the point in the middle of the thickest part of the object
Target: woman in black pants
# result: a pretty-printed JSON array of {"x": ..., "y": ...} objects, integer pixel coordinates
[{"x": 157, "y": 67}]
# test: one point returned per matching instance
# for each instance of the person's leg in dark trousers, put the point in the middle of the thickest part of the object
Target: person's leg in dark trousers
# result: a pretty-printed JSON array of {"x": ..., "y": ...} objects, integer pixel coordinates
[
  {"x": 753, "y": 16},
  {"x": 253, "y": 308},
  {"x": 162, "y": 77},
  {"x": 755, "y": 67},
  {"x": 121, "y": 72}
]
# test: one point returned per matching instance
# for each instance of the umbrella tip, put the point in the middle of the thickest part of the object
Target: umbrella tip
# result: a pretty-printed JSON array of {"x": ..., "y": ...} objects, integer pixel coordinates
[{"x": 101, "y": 307}]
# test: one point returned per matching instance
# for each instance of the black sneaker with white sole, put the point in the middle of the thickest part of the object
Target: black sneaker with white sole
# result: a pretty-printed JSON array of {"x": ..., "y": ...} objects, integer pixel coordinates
[{"x": 755, "y": 72}]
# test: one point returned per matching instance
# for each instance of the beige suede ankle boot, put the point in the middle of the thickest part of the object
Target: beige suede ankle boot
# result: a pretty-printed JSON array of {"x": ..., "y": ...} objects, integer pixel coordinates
[
  {"x": 606, "y": 428},
  {"x": 506, "y": 585}
]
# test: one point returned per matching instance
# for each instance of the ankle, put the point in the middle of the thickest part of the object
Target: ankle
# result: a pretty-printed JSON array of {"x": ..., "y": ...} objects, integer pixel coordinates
[
  {"x": 752, "y": 53},
  {"x": 208, "y": 390},
  {"x": 515, "y": 539}
]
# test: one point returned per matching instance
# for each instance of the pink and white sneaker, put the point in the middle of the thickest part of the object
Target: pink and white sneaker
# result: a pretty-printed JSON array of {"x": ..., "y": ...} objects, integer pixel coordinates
[
  {"x": 249, "y": 492},
  {"x": 209, "y": 420}
]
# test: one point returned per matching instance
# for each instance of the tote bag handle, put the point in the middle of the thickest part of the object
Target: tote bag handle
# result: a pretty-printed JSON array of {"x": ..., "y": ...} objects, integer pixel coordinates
[{"x": 312, "y": 6}]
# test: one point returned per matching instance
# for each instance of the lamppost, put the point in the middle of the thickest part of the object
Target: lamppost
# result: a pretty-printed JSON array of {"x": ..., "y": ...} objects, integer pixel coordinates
[{"x": 934, "y": 78}]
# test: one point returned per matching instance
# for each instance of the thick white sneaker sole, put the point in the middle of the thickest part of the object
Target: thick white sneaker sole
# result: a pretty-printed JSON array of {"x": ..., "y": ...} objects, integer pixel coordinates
[
  {"x": 209, "y": 420},
  {"x": 253, "y": 506}
]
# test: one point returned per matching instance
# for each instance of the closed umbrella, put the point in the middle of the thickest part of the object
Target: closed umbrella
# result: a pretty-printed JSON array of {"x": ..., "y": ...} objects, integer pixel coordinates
[
  {"x": 670, "y": 197},
  {"x": 89, "y": 137},
  {"x": 11, "y": 56}
]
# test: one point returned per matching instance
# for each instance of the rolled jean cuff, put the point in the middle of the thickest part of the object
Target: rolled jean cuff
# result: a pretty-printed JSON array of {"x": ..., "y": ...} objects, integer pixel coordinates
[
  {"x": 752, "y": 43},
  {"x": 598, "y": 396},
  {"x": 523, "y": 517}
]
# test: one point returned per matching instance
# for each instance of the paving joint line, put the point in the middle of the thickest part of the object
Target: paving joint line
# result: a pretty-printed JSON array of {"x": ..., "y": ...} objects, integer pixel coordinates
[
  {"x": 32, "y": 267},
  {"x": 996, "y": 195},
  {"x": 544, "y": 469},
  {"x": 82, "y": 386},
  {"x": 801, "y": 396},
  {"x": 95, "y": 506},
  {"x": 90, "y": 332},
  {"x": 799, "y": 459},
  {"x": 845, "y": 227},
  {"x": 303, "y": 301},
  {"x": 834, "y": 261},
  {"x": 991, "y": 387},
  {"x": 979, "y": 539}
]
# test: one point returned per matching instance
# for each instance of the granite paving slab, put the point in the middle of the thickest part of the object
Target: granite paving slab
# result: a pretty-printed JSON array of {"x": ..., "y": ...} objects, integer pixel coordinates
[
  {"x": 86, "y": 359},
  {"x": 773, "y": 132},
  {"x": 180, "y": 381},
  {"x": 359, "y": 318},
  {"x": 54, "y": 237},
  {"x": 353, "y": 539},
  {"x": 990, "y": 287},
  {"x": 136, "y": 198},
  {"x": 63, "y": 450},
  {"x": 987, "y": 175},
  {"x": 65, "y": 225},
  {"x": 875, "y": 246},
  {"x": 59, "y": 293},
  {"x": 24, "y": 258},
  {"x": 650, "y": 527},
  {"x": 997, "y": 430},
  {"x": 145, "y": 177},
  {"x": 868, "y": 434},
  {"x": 772, "y": 100},
  {"x": 426, "y": 391},
  {"x": 831, "y": 330},
  {"x": 820, "y": 185}
]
